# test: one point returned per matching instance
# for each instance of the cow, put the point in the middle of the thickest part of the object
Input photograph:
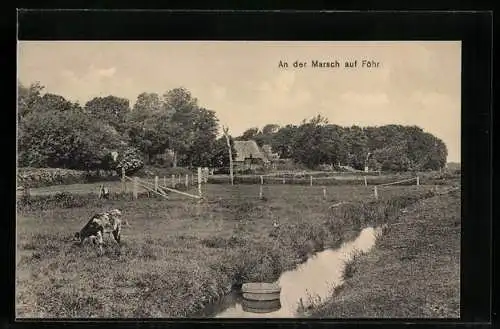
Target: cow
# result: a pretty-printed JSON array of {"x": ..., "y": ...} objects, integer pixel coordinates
[{"x": 107, "y": 222}]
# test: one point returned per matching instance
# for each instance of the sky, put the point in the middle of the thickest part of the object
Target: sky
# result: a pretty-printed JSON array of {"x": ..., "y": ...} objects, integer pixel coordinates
[{"x": 414, "y": 83}]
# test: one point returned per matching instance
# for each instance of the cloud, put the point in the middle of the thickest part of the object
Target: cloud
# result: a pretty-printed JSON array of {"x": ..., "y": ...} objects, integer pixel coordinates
[
  {"x": 93, "y": 75},
  {"x": 106, "y": 73},
  {"x": 95, "y": 82}
]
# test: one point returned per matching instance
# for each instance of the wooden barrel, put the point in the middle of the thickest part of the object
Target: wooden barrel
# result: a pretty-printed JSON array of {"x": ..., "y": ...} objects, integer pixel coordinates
[
  {"x": 254, "y": 306},
  {"x": 261, "y": 291}
]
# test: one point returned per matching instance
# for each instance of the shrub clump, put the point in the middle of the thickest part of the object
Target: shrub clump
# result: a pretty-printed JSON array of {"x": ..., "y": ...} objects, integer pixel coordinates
[
  {"x": 38, "y": 177},
  {"x": 130, "y": 159}
]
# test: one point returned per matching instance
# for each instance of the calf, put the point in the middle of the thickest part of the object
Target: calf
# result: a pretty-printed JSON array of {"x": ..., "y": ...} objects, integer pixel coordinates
[{"x": 107, "y": 222}]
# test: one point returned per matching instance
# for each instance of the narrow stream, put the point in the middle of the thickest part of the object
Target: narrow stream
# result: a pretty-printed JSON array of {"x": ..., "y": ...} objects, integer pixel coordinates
[{"x": 309, "y": 282}]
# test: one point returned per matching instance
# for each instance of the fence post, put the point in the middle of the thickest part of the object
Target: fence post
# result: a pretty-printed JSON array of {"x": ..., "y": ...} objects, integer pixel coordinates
[
  {"x": 187, "y": 181},
  {"x": 311, "y": 180},
  {"x": 283, "y": 178},
  {"x": 260, "y": 192},
  {"x": 366, "y": 183},
  {"x": 418, "y": 180},
  {"x": 375, "y": 192},
  {"x": 173, "y": 181},
  {"x": 199, "y": 181},
  {"x": 324, "y": 192},
  {"x": 136, "y": 183},
  {"x": 156, "y": 183},
  {"x": 124, "y": 183},
  {"x": 192, "y": 179},
  {"x": 179, "y": 179},
  {"x": 261, "y": 180}
]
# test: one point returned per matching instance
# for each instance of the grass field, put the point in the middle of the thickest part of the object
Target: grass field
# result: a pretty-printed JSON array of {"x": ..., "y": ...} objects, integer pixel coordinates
[
  {"x": 415, "y": 266},
  {"x": 180, "y": 254},
  {"x": 320, "y": 179}
]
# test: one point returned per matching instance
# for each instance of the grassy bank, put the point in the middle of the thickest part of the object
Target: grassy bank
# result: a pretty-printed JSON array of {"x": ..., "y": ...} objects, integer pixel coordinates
[
  {"x": 413, "y": 271},
  {"x": 181, "y": 254}
]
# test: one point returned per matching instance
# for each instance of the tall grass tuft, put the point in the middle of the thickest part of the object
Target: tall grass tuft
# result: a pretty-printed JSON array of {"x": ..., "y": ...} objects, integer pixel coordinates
[{"x": 351, "y": 265}]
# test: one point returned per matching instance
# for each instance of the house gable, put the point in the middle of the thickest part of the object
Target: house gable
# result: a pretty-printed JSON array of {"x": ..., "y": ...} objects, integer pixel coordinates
[{"x": 247, "y": 150}]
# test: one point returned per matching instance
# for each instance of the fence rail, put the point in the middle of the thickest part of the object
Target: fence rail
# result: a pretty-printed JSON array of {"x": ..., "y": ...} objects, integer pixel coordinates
[
  {"x": 401, "y": 181},
  {"x": 156, "y": 188}
]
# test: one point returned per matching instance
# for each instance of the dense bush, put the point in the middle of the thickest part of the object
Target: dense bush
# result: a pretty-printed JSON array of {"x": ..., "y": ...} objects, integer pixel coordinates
[
  {"x": 130, "y": 159},
  {"x": 37, "y": 177},
  {"x": 69, "y": 139}
]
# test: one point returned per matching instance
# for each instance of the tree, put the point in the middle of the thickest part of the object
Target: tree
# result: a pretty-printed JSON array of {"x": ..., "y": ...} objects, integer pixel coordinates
[
  {"x": 205, "y": 128},
  {"x": 177, "y": 120},
  {"x": 331, "y": 144},
  {"x": 146, "y": 104},
  {"x": 142, "y": 124},
  {"x": 249, "y": 134},
  {"x": 27, "y": 97},
  {"x": 265, "y": 136},
  {"x": 356, "y": 144},
  {"x": 52, "y": 102},
  {"x": 68, "y": 139},
  {"x": 220, "y": 153},
  {"x": 282, "y": 141},
  {"x": 110, "y": 109},
  {"x": 230, "y": 153},
  {"x": 392, "y": 157},
  {"x": 270, "y": 129},
  {"x": 425, "y": 151},
  {"x": 308, "y": 142}
]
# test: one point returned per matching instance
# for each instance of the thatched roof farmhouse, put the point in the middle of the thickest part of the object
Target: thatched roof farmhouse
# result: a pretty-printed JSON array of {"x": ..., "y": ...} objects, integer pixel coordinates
[{"x": 246, "y": 150}]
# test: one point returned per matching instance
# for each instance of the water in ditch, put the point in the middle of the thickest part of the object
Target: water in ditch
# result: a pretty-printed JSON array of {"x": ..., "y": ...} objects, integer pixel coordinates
[{"x": 309, "y": 282}]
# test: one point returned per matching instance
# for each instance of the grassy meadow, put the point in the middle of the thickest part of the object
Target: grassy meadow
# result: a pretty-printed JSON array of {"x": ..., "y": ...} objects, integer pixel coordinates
[{"x": 180, "y": 254}]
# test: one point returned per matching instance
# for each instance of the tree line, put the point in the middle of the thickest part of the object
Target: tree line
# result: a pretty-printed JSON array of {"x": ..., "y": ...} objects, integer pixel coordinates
[
  {"x": 389, "y": 147},
  {"x": 55, "y": 132}
]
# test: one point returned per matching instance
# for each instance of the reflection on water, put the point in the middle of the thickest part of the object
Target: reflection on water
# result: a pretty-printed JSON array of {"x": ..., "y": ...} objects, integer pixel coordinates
[{"x": 310, "y": 281}]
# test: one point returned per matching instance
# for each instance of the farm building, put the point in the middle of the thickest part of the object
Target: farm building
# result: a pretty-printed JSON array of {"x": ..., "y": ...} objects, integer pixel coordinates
[
  {"x": 249, "y": 155},
  {"x": 268, "y": 153},
  {"x": 272, "y": 157}
]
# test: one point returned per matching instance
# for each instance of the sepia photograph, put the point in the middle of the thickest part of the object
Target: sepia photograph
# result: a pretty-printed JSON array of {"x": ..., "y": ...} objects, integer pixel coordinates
[{"x": 238, "y": 179}]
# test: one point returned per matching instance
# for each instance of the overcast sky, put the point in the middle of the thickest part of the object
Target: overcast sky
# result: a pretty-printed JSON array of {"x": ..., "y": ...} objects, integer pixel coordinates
[{"x": 416, "y": 83}]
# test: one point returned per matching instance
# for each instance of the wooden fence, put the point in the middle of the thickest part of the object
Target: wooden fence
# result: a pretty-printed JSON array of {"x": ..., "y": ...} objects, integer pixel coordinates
[
  {"x": 375, "y": 189},
  {"x": 162, "y": 190}
]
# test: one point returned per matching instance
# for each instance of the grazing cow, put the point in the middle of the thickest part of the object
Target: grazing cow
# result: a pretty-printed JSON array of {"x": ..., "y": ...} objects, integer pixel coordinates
[
  {"x": 107, "y": 222},
  {"x": 103, "y": 192}
]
